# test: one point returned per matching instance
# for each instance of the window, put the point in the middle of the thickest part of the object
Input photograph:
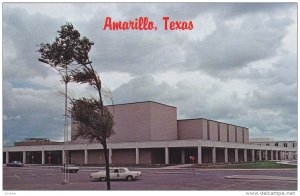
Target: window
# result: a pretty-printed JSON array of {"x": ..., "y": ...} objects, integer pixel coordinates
[
  {"x": 293, "y": 145},
  {"x": 122, "y": 170},
  {"x": 276, "y": 144},
  {"x": 267, "y": 144},
  {"x": 284, "y": 144}
]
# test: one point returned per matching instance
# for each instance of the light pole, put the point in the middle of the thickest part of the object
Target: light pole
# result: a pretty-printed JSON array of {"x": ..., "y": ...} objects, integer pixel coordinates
[{"x": 65, "y": 174}]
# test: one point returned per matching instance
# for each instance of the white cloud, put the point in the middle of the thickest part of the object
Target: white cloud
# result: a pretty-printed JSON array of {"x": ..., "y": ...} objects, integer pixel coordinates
[{"x": 238, "y": 65}]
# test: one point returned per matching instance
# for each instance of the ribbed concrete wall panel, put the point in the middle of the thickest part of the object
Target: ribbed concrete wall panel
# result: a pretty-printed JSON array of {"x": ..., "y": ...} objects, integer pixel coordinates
[
  {"x": 239, "y": 133},
  {"x": 143, "y": 121},
  {"x": 189, "y": 129},
  {"x": 246, "y": 135},
  {"x": 133, "y": 122},
  {"x": 163, "y": 122},
  {"x": 223, "y": 132},
  {"x": 151, "y": 121},
  {"x": 213, "y": 130},
  {"x": 231, "y": 133},
  {"x": 204, "y": 129}
]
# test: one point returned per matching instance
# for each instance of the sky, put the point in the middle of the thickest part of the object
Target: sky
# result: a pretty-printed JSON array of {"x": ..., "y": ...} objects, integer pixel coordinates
[{"x": 237, "y": 65}]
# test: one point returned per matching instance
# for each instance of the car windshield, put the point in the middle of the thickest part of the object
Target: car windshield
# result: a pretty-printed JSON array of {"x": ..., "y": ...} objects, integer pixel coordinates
[{"x": 122, "y": 170}]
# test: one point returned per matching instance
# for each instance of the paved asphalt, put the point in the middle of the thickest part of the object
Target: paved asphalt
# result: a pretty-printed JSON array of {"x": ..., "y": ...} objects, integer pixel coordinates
[{"x": 45, "y": 178}]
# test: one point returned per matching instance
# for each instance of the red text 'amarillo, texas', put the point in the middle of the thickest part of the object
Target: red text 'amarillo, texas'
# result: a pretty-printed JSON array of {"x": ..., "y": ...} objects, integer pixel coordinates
[{"x": 143, "y": 23}]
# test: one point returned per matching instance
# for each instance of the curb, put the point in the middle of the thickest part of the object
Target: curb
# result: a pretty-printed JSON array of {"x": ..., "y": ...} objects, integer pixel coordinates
[
  {"x": 260, "y": 177},
  {"x": 286, "y": 163}
]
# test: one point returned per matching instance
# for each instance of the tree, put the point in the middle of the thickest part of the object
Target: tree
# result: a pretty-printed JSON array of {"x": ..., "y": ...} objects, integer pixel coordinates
[{"x": 70, "y": 52}]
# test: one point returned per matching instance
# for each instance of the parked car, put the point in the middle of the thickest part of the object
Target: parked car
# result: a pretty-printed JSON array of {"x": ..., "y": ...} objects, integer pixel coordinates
[
  {"x": 15, "y": 164},
  {"x": 117, "y": 173},
  {"x": 69, "y": 168}
]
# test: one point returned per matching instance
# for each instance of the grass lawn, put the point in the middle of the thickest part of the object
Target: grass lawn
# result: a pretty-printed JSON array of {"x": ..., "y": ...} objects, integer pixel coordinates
[{"x": 257, "y": 165}]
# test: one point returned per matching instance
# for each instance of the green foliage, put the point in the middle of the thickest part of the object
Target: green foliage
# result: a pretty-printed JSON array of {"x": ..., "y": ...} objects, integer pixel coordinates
[
  {"x": 86, "y": 74},
  {"x": 66, "y": 49},
  {"x": 259, "y": 165},
  {"x": 95, "y": 122}
]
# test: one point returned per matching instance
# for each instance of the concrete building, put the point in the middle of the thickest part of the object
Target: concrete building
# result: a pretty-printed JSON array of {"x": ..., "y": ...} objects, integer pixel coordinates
[
  {"x": 149, "y": 133},
  {"x": 272, "y": 142}
]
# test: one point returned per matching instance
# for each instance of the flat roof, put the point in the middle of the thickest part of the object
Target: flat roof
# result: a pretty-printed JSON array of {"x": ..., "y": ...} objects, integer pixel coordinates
[
  {"x": 211, "y": 120},
  {"x": 141, "y": 102}
]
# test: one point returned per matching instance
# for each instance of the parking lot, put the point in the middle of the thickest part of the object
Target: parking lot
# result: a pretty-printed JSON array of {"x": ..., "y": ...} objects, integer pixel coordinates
[{"x": 50, "y": 178}]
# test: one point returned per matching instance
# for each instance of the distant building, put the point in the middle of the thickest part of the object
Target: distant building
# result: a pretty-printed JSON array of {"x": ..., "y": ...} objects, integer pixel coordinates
[
  {"x": 36, "y": 141},
  {"x": 149, "y": 133},
  {"x": 272, "y": 142}
]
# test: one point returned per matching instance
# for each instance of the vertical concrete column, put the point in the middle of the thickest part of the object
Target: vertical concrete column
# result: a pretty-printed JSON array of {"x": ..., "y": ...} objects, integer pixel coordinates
[
  {"x": 43, "y": 157},
  {"x": 280, "y": 155},
  {"x": 137, "y": 156},
  {"x": 236, "y": 155},
  {"x": 182, "y": 156},
  {"x": 260, "y": 155},
  {"x": 266, "y": 155},
  {"x": 24, "y": 157},
  {"x": 199, "y": 155},
  {"x": 226, "y": 155},
  {"x": 110, "y": 156},
  {"x": 63, "y": 153},
  {"x": 214, "y": 156},
  {"x": 7, "y": 157},
  {"x": 253, "y": 155},
  {"x": 245, "y": 155},
  {"x": 86, "y": 155},
  {"x": 166, "y": 155},
  {"x": 272, "y": 155}
]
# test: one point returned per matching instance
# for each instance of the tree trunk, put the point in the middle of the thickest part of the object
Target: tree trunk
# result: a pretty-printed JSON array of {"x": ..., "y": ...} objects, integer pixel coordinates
[{"x": 106, "y": 165}]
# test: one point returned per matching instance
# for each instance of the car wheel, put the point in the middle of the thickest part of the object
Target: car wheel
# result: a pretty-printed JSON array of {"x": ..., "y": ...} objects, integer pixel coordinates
[
  {"x": 129, "y": 178},
  {"x": 102, "y": 179}
]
